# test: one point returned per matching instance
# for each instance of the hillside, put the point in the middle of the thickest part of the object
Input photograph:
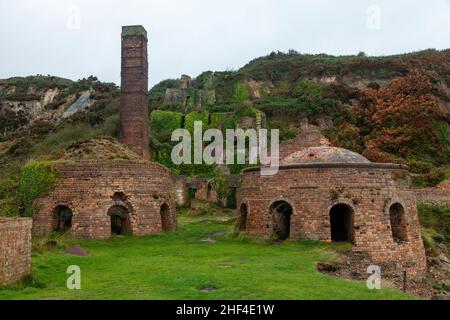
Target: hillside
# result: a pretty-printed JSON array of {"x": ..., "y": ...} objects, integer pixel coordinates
[
  {"x": 391, "y": 109},
  {"x": 42, "y": 116}
]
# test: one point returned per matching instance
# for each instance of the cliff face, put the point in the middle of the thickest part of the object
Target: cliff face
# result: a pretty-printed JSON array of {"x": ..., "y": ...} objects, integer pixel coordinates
[{"x": 27, "y": 101}]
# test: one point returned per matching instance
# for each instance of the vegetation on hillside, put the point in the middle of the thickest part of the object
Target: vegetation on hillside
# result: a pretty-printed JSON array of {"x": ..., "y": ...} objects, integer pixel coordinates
[
  {"x": 387, "y": 108},
  {"x": 48, "y": 141}
]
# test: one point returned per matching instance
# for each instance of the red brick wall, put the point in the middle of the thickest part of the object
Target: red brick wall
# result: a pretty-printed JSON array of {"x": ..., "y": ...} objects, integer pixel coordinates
[
  {"x": 15, "y": 249},
  {"x": 312, "y": 191},
  {"x": 88, "y": 187},
  {"x": 202, "y": 192},
  {"x": 180, "y": 189},
  {"x": 134, "y": 95}
]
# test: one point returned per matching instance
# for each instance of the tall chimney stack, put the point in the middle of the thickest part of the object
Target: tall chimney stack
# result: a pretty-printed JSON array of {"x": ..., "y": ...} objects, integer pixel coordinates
[{"x": 134, "y": 90}]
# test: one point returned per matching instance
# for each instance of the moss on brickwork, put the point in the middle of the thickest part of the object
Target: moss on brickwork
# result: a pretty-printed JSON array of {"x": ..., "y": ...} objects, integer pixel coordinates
[
  {"x": 37, "y": 179},
  {"x": 129, "y": 31}
]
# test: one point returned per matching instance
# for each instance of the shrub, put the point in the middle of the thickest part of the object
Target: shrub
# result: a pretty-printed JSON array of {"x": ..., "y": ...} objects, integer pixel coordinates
[
  {"x": 163, "y": 123},
  {"x": 436, "y": 217},
  {"x": 240, "y": 92},
  {"x": 430, "y": 179},
  {"x": 307, "y": 89},
  {"x": 37, "y": 178},
  {"x": 194, "y": 116}
]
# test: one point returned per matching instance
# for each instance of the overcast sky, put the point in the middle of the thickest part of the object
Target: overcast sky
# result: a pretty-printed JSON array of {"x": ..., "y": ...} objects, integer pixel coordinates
[{"x": 77, "y": 38}]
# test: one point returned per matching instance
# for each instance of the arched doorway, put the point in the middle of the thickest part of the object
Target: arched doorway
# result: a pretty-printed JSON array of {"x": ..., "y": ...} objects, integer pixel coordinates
[
  {"x": 231, "y": 198},
  {"x": 243, "y": 215},
  {"x": 281, "y": 212},
  {"x": 62, "y": 219},
  {"x": 165, "y": 217},
  {"x": 341, "y": 222},
  {"x": 208, "y": 190},
  {"x": 120, "y": 220},
  {"x": 398, "y": 222}
]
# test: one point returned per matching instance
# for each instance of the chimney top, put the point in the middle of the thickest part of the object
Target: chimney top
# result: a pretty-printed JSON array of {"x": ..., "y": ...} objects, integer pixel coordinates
[{"x": 130, "y": 31}]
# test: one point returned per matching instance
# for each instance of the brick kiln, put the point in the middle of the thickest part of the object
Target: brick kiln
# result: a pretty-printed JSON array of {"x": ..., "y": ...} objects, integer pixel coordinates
[
  {"x": 335, "y": 195},
  {"x": 97, "y": 198}
]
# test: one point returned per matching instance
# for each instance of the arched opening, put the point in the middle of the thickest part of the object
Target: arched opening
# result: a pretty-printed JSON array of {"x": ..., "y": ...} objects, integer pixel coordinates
[
  {"x": 165, "y": 217},
  {"x": 243, "y": 215},
  {"x": 231, "y": 198},
  {"x": 281, "y": 212},
  {"x": 208, "y": 190},
  {"x": 120, "y": 220},
  {"x": 341, "y": 222},
  {"x": 62, "y": 219},
  {"x": 398, "y": 222}
]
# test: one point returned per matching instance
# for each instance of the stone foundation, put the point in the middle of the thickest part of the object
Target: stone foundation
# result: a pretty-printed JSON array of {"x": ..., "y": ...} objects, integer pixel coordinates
[{"x": 15, "y": 249}]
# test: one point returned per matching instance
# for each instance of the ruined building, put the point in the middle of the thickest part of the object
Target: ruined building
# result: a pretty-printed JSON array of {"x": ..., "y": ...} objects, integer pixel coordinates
[
  {"x": 335, "y": 195},
  {"x": 97, "y": 198}
]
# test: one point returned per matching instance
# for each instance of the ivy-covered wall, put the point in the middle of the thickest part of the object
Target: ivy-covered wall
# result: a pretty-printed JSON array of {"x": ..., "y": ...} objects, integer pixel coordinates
[{"x": 37, "y": 179}]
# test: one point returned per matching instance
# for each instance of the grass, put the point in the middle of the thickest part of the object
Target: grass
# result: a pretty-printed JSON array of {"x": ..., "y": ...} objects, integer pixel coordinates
[{"x": 177, "y": 264}]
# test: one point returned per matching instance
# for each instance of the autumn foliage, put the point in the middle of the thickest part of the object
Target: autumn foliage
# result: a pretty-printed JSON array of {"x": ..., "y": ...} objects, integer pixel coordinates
[{"x": 402, "y": 119}]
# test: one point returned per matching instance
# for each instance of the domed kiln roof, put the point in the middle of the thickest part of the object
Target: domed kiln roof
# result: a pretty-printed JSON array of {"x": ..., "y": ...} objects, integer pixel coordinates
[{"x": 324, "y": 154}]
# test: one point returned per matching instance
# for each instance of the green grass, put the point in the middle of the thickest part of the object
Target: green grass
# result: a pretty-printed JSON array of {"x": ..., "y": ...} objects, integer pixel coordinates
[{"x": 175, "y": 265}]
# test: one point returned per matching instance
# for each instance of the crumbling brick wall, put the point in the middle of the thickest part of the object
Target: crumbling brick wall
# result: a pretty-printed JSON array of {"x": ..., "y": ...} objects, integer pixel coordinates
[
  {"x": 206, "y": 191},
  {"x": 313, "y": 190},
  {"x": 91, "y": 188},
  {"x": 439, "y": 195},
  {"x": 15, "y": 249},
  {"x": 180, "y": 189}
]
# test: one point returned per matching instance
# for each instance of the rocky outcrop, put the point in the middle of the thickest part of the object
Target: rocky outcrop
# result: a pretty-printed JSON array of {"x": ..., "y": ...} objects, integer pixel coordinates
[
  {"x": 83, "y": 103},
  {"x": 258, "y": 89},
  {"x": 174, "y": 96},
  {"x": 22, "y": 108}
]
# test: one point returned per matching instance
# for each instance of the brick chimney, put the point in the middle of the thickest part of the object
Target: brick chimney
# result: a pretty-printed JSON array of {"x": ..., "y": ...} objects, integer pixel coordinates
[{"x": 134, "y": 90}]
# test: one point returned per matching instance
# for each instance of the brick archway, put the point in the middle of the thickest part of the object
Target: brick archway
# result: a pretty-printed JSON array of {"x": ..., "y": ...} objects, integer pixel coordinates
[
  {"x": 397, "y": 217},
  {"x": 120, "y": 220},
  {"x": 281, "y": 212},
  {"x": 62, "y": 218},
  {"x": 164, "y": 212},
  {"x": 342, "y": 216},
  {"x": 243, "y": 217}
]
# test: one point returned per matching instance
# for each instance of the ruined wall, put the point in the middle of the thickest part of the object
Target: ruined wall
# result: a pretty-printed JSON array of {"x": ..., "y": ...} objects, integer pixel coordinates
[
  {"x": 15, "y": 249},
  {"x": 206, "y": 193},
  {"x": 180, "y": 189},
  {"x": 134, "y": 91},
  {"x": 312, "y": 190},
  {"x": 88, "y": 188},
  {"x": 439, "y": 195}
]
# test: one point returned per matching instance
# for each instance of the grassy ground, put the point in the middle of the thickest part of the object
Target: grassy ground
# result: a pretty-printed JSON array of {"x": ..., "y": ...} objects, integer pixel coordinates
[{"x": 175, "y": 265}]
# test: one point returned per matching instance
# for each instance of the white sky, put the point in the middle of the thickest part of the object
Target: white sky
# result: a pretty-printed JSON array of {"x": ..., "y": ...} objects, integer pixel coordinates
[{"x": 192, "y": 36}]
